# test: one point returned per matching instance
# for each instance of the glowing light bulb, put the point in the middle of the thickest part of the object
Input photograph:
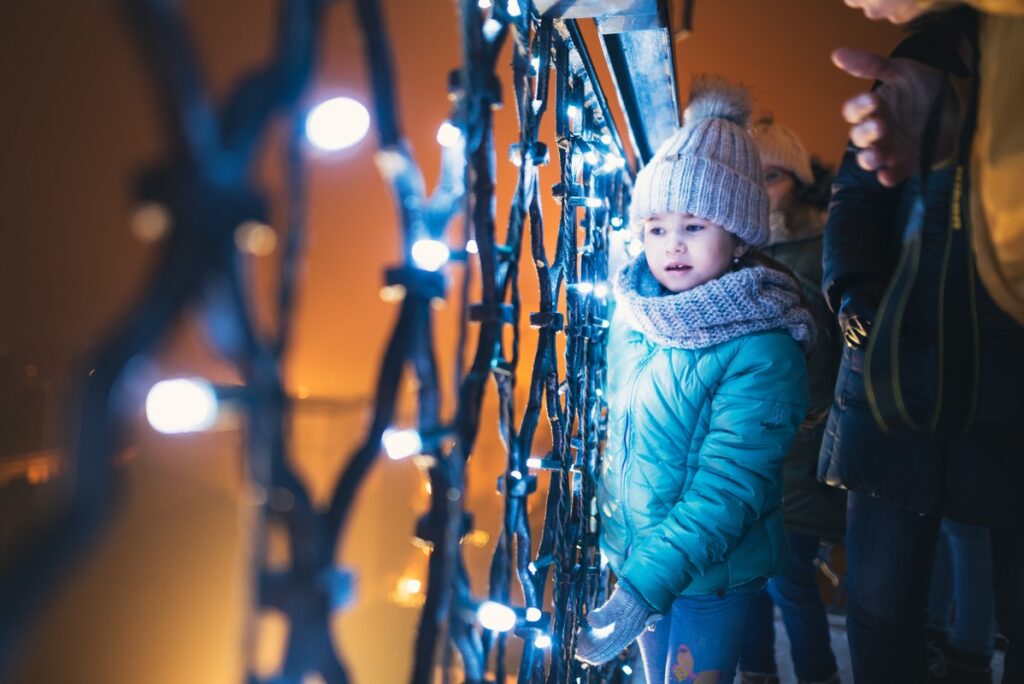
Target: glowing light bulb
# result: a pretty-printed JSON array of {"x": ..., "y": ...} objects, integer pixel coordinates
[
  {"x": 594, "y": 202},
  {"x": 616, "y": 221},
  {"x": 151, "y": 221},
  {"x": 601, "y": 290},
  {"x": 495, "y": 616},
  {"x": 471, "y": 247},
  {"x": 399, "y": 444},
  {"x": 430, "y": 255},
  {"x": 448, "y": 134},
  {"x": 255, "y": 238},
  {"x": 491, "y": 29},
  {"x": 533, "y": 463},
  {"x": 513, "y": 8},
  {"x": 573, "y": 112},
  {"x": 606, "y": 138},
  {"x": 612, "y": 162},
  {"x": 181, "y": 405},
  {"x": 627, "y": 670},
  {"x": 533, "y": 614},
  {"x": 584, "y": 288},
  {"x": 592, "y": 157},
  {"x": 484, "y": 4},
  {"x": 337, "y": 123},
  {"x": 542, "y": 641}
]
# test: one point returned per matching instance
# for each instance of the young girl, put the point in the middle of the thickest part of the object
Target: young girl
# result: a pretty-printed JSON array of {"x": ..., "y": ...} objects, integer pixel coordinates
[{"x": 707, "y": 383}]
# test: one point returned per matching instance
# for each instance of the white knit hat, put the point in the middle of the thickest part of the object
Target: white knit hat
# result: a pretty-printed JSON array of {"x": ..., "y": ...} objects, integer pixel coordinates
[
  {"x": 779, "y": 146},
  {"x": 708, "y": 168}
]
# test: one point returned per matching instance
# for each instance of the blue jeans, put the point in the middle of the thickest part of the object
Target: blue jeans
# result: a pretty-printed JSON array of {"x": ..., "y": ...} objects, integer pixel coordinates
[
  {"x": 795, "y": 591},
  {"x": 699, "y": 634},
  {"x": 889, "y": 553},
  {"x": 961, "y": 601}
]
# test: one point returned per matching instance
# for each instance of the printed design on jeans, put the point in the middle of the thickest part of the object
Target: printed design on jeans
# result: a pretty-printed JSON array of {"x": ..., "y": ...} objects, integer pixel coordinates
[{"x": 683, "y": 669}]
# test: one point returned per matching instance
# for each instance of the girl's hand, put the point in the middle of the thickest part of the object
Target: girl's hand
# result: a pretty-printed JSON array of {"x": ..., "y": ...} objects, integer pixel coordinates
[{"x": 614, "y": 626}]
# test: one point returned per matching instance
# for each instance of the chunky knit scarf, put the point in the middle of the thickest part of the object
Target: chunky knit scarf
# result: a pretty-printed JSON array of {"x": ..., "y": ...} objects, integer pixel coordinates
[{"x": 740, "y": 302}]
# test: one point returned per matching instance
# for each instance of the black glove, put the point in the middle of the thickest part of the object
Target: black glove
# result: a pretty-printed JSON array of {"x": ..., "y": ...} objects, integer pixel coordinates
[
  {"x": 856, "y": 314},
  {"x": 614, "y": 626}
]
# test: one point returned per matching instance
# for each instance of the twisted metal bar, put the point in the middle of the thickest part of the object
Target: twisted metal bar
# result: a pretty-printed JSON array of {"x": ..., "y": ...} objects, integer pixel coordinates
[
  {"x": 207, "y": 188},
  {"x": 206, "y": 185}
]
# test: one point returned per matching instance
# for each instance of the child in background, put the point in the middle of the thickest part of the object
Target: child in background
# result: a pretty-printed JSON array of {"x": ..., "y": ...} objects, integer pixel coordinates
[
  {"x": 707, "y": 386},
  {"x": 814, "y": 513}
]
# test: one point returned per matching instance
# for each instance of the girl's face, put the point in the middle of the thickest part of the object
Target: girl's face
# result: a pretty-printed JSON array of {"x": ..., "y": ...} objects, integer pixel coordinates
[{"x": 684, "y": 251}]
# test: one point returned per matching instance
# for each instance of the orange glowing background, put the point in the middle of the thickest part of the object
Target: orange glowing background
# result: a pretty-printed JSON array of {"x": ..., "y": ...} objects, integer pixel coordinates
[{"x": 162, "y": 598}]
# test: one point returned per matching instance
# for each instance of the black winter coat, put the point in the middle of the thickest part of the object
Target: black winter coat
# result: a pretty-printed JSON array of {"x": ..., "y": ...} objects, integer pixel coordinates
[{"x": 977, "y": 478}]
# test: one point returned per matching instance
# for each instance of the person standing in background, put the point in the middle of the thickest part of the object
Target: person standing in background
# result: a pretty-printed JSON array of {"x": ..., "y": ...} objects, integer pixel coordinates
[{"x": 815, "y": 514}]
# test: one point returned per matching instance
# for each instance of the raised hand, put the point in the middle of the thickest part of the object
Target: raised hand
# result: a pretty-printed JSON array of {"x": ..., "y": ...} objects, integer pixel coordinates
[{"x": 888, "y": 123}]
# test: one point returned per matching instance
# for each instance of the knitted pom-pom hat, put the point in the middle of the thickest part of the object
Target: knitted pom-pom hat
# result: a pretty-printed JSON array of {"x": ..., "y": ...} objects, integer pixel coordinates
[
  {"x": 779, "y": 146},
  {"x": 710, "y": 167}
]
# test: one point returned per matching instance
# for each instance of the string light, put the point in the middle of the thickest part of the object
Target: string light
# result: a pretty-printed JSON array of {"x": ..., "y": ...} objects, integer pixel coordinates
[
  {"x": 616, "y": 221},
  {"x": 471, "y": 247},
  {"x": 612, "y": 162},
  {"x": 151, "y": 221},
  {"x": 484, "y": 4},
  {"x": 542, "y": 641},
  {"x": 399, "y": 444},
  {"x": 429, "y": 254},
  {"x": 495, "y": 616},
  {"x": 337, "y": 123},
  {"x": 513, "y": 8},
  {"x": 601, "y": 290},
  {"x": 533, "y": 614},
  {"x": 181, "y": 405},
  {"x": 491, "y": 29},
  {"x": 448, "y": 134},
  {"x": 255, "y": 238}
]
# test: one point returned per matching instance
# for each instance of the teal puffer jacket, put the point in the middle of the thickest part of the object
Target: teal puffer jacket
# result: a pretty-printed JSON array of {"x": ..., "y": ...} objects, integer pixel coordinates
[{"x": 691, "y": 484}]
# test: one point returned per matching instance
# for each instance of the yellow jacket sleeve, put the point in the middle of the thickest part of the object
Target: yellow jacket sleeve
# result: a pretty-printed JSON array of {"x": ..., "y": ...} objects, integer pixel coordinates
[{"x": 1012, "y": 7}]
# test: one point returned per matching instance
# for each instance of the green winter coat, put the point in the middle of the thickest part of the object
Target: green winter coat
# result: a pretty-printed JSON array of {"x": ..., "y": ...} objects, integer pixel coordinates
[
  {"x": 691, "y": 486},
  {"x": 812, "y": 507}
]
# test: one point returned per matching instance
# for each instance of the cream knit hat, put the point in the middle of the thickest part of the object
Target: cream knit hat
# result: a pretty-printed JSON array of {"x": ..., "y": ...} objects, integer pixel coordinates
[
  {"x": 780, "y": 146},
  {"x": 710, "y": 167}
]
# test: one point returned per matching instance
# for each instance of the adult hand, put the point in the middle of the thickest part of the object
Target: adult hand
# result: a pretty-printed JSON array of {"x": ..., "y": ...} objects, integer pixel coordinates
[
  {"x": 614, "y": 626},
  {"x": 888, "y": 123},
  {"x": 855, "y": 316},
  {"x": 896, "y": 11}
]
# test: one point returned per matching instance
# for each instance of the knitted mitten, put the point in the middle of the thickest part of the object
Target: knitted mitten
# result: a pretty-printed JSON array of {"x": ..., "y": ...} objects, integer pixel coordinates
[{"x": 614, "y": 626}]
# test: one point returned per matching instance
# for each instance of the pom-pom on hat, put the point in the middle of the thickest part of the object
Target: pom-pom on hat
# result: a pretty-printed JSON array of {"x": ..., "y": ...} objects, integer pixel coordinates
[{"x": 710, "y": 167}]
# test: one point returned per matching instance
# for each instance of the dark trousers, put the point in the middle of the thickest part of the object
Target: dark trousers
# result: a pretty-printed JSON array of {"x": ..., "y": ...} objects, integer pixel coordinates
[
  {"x": 889, "y": 553},
  {"x": 795, "y": 591}
]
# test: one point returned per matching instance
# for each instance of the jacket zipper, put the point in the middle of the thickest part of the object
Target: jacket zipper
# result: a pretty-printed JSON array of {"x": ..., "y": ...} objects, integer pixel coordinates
[{"x": 633, "y": 380}]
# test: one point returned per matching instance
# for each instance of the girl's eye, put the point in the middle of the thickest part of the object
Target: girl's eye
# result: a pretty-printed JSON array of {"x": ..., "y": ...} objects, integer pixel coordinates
[
  {"x": 656, "y": 230},
  {"x": 694, "y": 227}
]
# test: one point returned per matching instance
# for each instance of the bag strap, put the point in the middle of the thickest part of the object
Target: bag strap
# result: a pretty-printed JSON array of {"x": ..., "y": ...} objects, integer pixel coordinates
[{"x": 956, "y": 313}]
